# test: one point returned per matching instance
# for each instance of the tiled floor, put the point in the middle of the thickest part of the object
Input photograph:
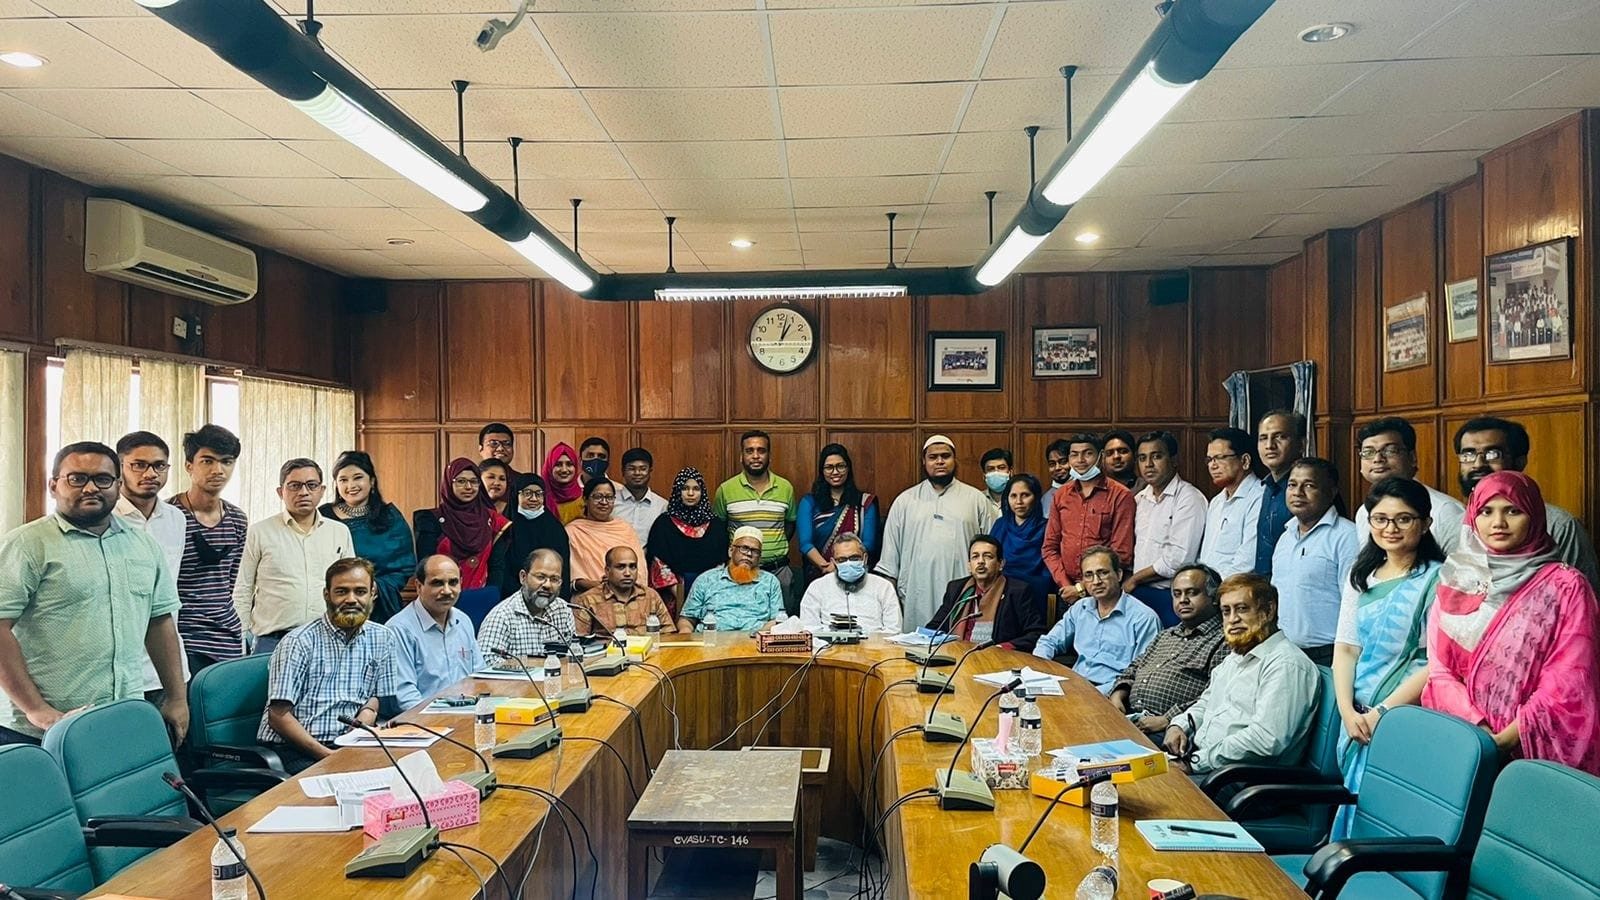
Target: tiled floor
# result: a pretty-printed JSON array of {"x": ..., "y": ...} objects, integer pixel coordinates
[
  {"x": 834, "y": 878},
  {"x": 730, "y": 876}
]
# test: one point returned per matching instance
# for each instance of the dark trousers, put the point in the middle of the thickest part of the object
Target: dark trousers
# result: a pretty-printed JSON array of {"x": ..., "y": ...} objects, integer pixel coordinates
[
  {"x": 1322, "y": 656},
  {"x": 7, "y": 736},
  {"x": 1158, "y": 599},
  {"x": 294, "y": 759},
  {"x": 198, "y": 661}
]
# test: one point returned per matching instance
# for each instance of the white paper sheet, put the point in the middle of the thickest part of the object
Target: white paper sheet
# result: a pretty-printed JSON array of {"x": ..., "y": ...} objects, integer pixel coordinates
[
  {"x": 318, "y": 786},
  {"x": 1041, "y": 683},
  {"x": 301, "y": 819}
]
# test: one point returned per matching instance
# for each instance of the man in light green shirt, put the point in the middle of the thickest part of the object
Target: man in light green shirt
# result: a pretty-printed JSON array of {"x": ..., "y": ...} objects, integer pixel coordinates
[
  {"x": 84, "y": 598},
  {"x": 761, "y": 499}
]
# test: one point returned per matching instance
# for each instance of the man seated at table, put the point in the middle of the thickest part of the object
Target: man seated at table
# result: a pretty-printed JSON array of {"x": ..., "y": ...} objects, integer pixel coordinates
[
  {"x": 620, "y": 601},
  {"x": 850, "y": 590},
  {"x": 743, "y": 596},
  {"x": 1259, "y": 704},
  {"x": 339, "y": 664},
  {"x": 1167, "y": 678},
  {"x": 533, "y": 617},
  {"x": 988, "y": 606},
  {"x": 1108, "y": 628},
  {"x": 435, "y": 646}
]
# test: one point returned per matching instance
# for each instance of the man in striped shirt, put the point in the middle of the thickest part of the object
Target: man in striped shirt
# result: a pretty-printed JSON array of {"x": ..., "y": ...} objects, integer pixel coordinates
[
  {"x": 212, "y": 549},
  {"x": 760, "y": 499}
]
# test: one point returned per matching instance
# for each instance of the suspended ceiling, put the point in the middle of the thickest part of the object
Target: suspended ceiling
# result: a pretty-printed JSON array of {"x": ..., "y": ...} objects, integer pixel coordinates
[{"x": 796, "y": 124}]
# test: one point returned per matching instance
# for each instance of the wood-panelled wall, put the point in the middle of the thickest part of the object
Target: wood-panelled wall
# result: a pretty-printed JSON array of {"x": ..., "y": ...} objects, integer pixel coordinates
[{"x": 677, "y": 378}]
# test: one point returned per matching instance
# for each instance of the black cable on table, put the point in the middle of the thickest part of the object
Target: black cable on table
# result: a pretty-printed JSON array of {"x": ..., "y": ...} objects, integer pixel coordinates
[
  {"x": 495, "y": 862},
  {"x": 620, "y": 761},
  {"x": 638, "y": 726},
  {"x": 483, "y": 887}
]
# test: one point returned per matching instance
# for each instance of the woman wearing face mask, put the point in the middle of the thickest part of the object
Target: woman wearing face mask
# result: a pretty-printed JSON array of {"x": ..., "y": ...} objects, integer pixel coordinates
[
  {"x": 835, "y": 506},
  {"x": 532, "y": 528},
  {"x": 1020, "y": 531},
  {"x": 463, "y": 527},
  {"x": 377, "y": 530},
  {"x": 496, "y": 477},
  {"x": 1511, "y": 642},
  {"x": 597, "y": 531},
  {"x": 686, "y": 541},
  {"x": 563, "y": 491}
]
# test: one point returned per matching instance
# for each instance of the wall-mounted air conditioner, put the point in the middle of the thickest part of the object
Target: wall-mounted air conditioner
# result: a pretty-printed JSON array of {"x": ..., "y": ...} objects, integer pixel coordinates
[{"x": 130, "y": 244}]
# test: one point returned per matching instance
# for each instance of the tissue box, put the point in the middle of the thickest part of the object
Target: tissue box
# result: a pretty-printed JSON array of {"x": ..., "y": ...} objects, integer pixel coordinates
[
  {"x": 454, "y": 807},
  {"x": 998, "y": 767},
  {"x": 522, "y": 711}
]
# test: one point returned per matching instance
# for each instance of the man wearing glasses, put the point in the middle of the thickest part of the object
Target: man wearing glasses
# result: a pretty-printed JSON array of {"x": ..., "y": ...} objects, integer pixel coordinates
[
  {"x": 1109, "y": 631},
  {"x": 742, "y": 595},
  {"x": 1389, "y": 450},
  {"x": 285, "y": 558},
  {"x": 1229, "y": 545},
  {"x": 145, "y": 465},
  {"x": 496, "y": 442},
  {"x": 84, "y": 599}
]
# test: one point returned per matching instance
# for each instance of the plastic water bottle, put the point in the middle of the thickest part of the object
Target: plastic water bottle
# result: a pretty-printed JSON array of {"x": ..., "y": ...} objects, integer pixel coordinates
[
  {"x": 552, "y": 670},
  {"x": 1010, "y": 706},
  {"x": 572, "y": 670},
  {"x": 652, "y": 624},
  {"x": 1099, "y": 884},
  {"x": 1103, "y": 818},
  {"x": 709, "y": 623},
  {"x": 227, "y": 870},
  {"x": 621, "y": 634},
  {"x": 1030, "y": 727},
  {"x": 483, "y": 723}
]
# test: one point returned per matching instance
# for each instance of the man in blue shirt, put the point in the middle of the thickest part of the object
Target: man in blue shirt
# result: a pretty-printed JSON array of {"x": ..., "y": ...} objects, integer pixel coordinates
[
  {"x": 1312, "y": 559},
  {"x": 743, "y": 596},
  {"x": 1108, "y": 628},
  {"x": 1280, "y": 440},
  {"x": 435, "y": 645}
]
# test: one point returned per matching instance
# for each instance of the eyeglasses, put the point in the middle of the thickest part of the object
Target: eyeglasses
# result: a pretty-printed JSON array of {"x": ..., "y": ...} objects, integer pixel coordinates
[
  {"x": 747, "y": 551},
  {"x": 836, "y": 467},
  {"x": 1220, "y": 457},
  {"x": 1473, "y": 457},
  {"x": 465, "y": 482},
  {"x": 141, "y": 467},
  {"x": 1402, "y": 521},
  {"x": 80, "y": 480},
  {"x": 309, "y": 487},
  {"x": 1099, "y": 575},
  {"x": 602, "y": 498},
  {"x": 497, "y": 445},
  {"x": 531, "y": 494},
  {"x": 855, "y": 558},
  {"x": 1388, "y": 451}
]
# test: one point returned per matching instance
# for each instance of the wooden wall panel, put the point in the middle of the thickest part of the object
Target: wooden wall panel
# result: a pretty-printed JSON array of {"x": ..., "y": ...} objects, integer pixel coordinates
[
  {"x": 408, "y": 467},
  {"x": 1029, "y": 451},
  {"x": 1286, "y": 312},
  {"x": 1154, "y": 380},
  {"x": 757, "y": 395},
  {"x": 294, "y": 301},
  {"x": 1461, "y": 364},
  {"x": 1556, "y": 460},
  {"x": 233, "y": 334},
  {"x": 991, "y": 311},
  {"x": 488, "y": 365},
  {"x": 794, "y": 455},
  {"x": 869, "y": 348},
  {"x": 885, "y": 462},
  {"x": 150, "y": 320},
  {"x": 17, "y": 318},
  {"x": 1316, "y": 301},
  {"x": 396, "y": 355},
  {"x": 524, "y": 457},
  {"x": 970, "y": 445},
  {"x": 1364, "y": 347},
  {"x": 620, "y": 437},
  {"x": 1410, "y": 269},
  {"x": 680, "y": 368},
  {"x": 75, "y": 303},
  {"x": 1221, "y": 303},
  {"x": 676, "y": 448},
  {"x": 1054, "y": 300}
]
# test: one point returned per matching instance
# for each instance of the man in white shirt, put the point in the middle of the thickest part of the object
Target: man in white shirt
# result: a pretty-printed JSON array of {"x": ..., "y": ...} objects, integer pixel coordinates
[
  {"x": 1388, "y": 449},
  {"x": 636, "y": 503},
  {"x": 929, "y": 527},
  {"x": 286, "y": 556},
  {"x": 1259, "y": 705},
  {"x": 1229, "y": 545},
  {"x": 850, "y": 590},
  {"x": 146, "y": 462},
  {"x": 1167, "y": 527}
]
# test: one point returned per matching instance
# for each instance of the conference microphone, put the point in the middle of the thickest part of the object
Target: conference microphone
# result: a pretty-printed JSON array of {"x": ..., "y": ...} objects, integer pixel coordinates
[
  {"x": 484, "y": 781},
  {"x": 1086, "y": 782},
  {"x": 604, "y": 665},
  {"x": 538, "y": 738},
  {"x": 398, "y": 853},
  {"x": 931, "y": 656},
  {"x": 947, "y": 728},
  {"x": 967, "y": 790},
  {"x": 182, "y": 787},
  {"x": 933, "y": 682}
]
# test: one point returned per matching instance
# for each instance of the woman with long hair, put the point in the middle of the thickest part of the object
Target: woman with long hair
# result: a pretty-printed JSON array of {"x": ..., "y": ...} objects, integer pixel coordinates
[
  {"x": 834, "y": 506},
  {"x": 593, "y": 534},
  {"x": 1020, "y": 531},
  {"x": 685, "y": 541},
  {"x": 463, "y": 527},
  {"x": 377, "y": 531},
  {"x": 496, "y": 478}
]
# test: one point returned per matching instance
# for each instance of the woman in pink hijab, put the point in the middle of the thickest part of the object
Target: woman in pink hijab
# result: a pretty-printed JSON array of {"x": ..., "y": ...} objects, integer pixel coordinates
[{"x": 1511, "y": 644}]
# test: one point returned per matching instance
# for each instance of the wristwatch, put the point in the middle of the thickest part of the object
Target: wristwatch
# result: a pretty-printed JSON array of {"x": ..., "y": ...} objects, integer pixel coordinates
[{"x": 1381, "y": 709}]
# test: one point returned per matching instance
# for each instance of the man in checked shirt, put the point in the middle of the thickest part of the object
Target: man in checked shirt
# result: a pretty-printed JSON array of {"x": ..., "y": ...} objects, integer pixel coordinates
[{"x": 1171, "y": 675}]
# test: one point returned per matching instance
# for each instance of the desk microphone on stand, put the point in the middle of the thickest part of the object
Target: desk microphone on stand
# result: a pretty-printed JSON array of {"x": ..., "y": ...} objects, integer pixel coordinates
[
  {"x": 604, "y": 665},
  {"x": 484, "y": 781},
  {"x": 931, "y": 657},
  {"x": 936, "y": 682},
  {"x": 398, "y": 853},
  {"x": 536, "y": 739},
  {"x": 182, "y": 787},
  {"x": 967, "y": 790},
  {"x": 947, "y": 728}
]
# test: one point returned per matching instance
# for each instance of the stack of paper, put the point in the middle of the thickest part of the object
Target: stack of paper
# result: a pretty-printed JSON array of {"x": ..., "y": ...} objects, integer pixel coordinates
[
  {"x": 398, "y": 736},
  {"x": 363, "y": 780},
  {"x": 1040, "y": 683},
  {"x": 302, "y": 819},
  {"x": 912, "y": 639},
  {"x": 1197, "y": 834}
]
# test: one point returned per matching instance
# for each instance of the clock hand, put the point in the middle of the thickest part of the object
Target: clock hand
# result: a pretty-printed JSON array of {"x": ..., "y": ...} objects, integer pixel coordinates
[{"x": 785, "y": 332}]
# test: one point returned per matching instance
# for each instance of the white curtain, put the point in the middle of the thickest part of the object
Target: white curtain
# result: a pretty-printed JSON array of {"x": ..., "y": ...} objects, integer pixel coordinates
[
  {"x": 13, "y": 445},
  {"x": 281, "y": 420},
  {"x": 172, "y": 402},
  {"x": 94, "y": 396}
]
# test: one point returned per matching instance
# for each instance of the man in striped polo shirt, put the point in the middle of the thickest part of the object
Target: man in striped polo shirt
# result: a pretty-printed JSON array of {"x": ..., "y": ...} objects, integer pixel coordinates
[
  {"x": 213, "y": 548},
  {"x": 758, "y": 498}
]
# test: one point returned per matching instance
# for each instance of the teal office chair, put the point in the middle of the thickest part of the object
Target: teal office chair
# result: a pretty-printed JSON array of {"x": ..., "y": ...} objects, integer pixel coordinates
[
  {"x": 44, "y": 850},
  {"x": 226, "y": 701},
  {"x": 1537, "y": 841}
]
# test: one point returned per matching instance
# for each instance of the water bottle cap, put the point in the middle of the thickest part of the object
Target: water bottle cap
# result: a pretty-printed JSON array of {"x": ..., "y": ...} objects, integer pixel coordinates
[{"x": 230, "y": 832}]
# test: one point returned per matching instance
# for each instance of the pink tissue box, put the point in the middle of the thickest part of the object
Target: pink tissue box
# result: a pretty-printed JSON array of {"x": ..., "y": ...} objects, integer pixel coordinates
[{"x": 454, "y": 807}]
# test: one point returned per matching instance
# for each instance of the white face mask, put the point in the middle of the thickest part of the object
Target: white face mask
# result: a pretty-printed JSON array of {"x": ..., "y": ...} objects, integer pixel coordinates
[{"x": 534, "y": 513}]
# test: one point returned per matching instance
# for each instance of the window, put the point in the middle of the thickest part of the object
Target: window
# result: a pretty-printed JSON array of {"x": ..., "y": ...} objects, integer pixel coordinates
[
  {"x": 222, "y": 408},
  {"x": 54, "y": 372}
]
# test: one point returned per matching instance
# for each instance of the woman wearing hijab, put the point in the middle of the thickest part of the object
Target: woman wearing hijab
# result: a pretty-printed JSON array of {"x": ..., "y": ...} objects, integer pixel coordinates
[
  {"x": 563, "y": 491},
  {"x": 532, "y": 528},
  {"x": 463, "y": 527},
  {"x": 1020, "y": 531},
  {"x": 835, "y": 506},
  {"x": 377, "y": 531},
  {"x": 496, "y": 478},
  {"x": 597, "y": 531},
  {"x": 686, "y": 541},
  {"x": 1511, "y": 644}
]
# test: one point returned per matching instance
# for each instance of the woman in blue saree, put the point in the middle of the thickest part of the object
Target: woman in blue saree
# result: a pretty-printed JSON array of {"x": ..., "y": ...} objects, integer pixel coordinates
[{"x": 835, "y": 506}]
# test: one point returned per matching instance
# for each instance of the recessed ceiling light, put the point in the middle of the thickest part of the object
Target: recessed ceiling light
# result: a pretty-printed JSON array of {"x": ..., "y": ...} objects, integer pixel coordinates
[
  {"x": 741, "y": 243},
  {"x": 22, "y": 59},
  {"x": 1086, "y": 237},
  {"x": 399, "y": 242},
  {"x": 1328, "y": 31}
]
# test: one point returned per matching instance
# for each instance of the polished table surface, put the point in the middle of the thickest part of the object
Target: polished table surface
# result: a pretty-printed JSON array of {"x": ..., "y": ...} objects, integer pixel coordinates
[{"x": 719, "y": 683}]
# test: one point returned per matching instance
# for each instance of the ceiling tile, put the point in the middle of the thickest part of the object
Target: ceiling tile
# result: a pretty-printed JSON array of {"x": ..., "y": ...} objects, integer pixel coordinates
[
  {"x": 1378, "y": 133},
  {"x": 467, "y": 272},
  {"x": 186, "y": 190},
  {"x": 888, "y": 191},
  {"x": 1289, "y": 174},
  {"x": 862, "y": 110},
  {"x": 543, "y": 159},
  {"x": 1383, "y": 29},
  {"x": 1043, "y": 260},
  {"x": 1115, "y": 234},
  {"x": 1197, "y": 142},
  {"x": 1154, "y": 261},
  {"x": 1154, "y": 206},
  {"x": 1289, "y": 243},
  {"x": 1422, "y": 171},
  {"x": 440, "y": 217},
  {"x": 713, "y": 220},
  {"x": 599, "y": 220},
  {"x": 339, "y": 158},
  {"x": 21, "y": 9},
  {"x": 878, "y": 46},
  {"x": 705, "y": 159},
  {"x": 1576, "y": 86},
  {"x": 494, "y": 113},
  {"x": 252, "y": 158},
  {"x": 259, "y": 218},
  {"x": 966, "y": 242},
  {"x": 1248, "y": 94},
  {"x": 1497, "y": 28},
  {"x": 658, "y": 49},
  {"x": 401, "y": 193},
  {"x": 838, "y": 157},
  {"x": 18, "y": 119},
  {"x": 766, "y": 242},
  {"x": 86, "y": 156},
  {"x": 421, "y": 51},
  {"x": 306, "y": 192},
  {"x": 1000, "y": 151},
  {"x": 76, "y": 59},
  {"x": 1015, "y": 104},
  {"x": 1236, "y": 203},
  {"x": 553, "y": 193},
  {"x": 267, "y": 113},
  {"x": 1143, "y": 181},
  {"x": 1354, "y": 205},
  {"x": 1488, "y": 130},
  {"x": 825, "y": 218},
  {"x": 138, "y": 113},
  {"x": 694, "y": 194},
  {"x": 1211, "y": 230},
  {"x": 681, "y": 115},
  {"x": 331, "y": 218},
  {"x": 168, "y": 52},
  {"x": 1428, "y": 85},
  {"x": 1039, "y": 38},
  {"x": 968, "y": 187}
]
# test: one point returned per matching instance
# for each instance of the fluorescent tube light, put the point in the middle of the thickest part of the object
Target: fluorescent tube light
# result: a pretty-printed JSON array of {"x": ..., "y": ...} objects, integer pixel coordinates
[
  {"x": 554, "y": 264},
  {"x": 848, "y": 292},
  {"x": 344, "y": 117},
  {"x": 1011, "y": 252},
  {"x": 1144, "y": 103}
]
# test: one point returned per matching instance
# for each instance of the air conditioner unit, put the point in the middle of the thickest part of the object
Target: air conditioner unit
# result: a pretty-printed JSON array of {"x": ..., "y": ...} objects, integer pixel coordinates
[{"x": 130, "y": 244}]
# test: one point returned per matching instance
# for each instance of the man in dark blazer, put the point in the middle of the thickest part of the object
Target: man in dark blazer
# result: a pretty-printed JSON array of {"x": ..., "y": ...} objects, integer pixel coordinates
[{"x": 988, "y": 606}]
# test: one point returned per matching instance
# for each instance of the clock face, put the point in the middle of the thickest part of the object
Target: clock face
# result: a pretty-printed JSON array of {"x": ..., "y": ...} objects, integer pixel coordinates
[{"x": 782, "y": 339}]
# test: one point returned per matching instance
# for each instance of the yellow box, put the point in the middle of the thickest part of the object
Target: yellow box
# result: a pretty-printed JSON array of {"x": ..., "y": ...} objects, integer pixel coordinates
[
  {"x": 1123, "y": 771},
  {"x": 522, "y": 711},
  {"x": 640, "y": 645}
]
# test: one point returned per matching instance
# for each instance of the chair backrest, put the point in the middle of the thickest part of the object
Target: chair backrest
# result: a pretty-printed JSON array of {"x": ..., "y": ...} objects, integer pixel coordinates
[
  {"x": 1322, "y": 743},
  {"x": 1538, "y": 835},
  {"x": 41, "y": 841},
  {"x": 1428, "y": 775},
  {"x": 113, "y": 757},
  {"x": 477, "y": 602},
  {"x": 225, "y": 703}
]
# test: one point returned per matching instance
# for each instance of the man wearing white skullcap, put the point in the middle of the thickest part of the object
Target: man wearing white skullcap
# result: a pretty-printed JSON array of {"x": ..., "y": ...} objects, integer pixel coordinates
[
  {"x": 741, "y": 594},
  {"x": 929, "y": 525}
]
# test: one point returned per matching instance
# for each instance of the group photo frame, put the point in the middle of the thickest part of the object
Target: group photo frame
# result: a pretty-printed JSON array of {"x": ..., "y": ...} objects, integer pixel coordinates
[
  {"x": 966, "y": 360},
  {"x": 1066, "y": 351},
  {"x": 1529, "y": 302}
]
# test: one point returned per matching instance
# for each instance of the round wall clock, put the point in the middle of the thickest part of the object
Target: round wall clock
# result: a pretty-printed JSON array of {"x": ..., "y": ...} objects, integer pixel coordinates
[{"x": 782, "y": 339}]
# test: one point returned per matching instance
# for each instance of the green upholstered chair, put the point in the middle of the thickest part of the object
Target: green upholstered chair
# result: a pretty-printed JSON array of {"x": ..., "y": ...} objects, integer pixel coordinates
[{"x": 226, "y": 702}]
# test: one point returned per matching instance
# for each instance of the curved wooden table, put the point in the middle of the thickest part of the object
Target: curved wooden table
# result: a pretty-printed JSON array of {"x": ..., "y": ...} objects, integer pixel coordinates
[{"x": 719, "y": 684}]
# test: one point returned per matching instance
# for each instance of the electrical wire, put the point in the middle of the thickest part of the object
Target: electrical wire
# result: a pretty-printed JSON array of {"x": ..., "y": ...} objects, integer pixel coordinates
[
  {"x": 538, "y": 844},
  {"x": 588, "y": 843},
  {"x": 452, "y": 847},
  {"x": 876, "y": 837},
  {"x": 804, "y": 671},
  {"x": 768, "y": 705},
  {"x": 483, "y": 886},
  {"x": 638, "y": 727},
  {"x": 620, "y": 761},
  {"x": 861, "y": 708}
]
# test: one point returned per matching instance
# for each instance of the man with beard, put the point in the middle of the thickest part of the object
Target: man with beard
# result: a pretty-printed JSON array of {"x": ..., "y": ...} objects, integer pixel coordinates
[
  {"x": 435, "y": 646},
  {"x": 928, "y": 529},
  {"x": 620, "y": 601},
  {"x": 1313, "y": 558},
  {"x": 744, "y": 597},
  {"x": 1108, "y": 630},
  {"x": 850, "y": 590},
  {"x": 84, "y": 598},
  {"x": 213, "y": 547},
  {"x": 1493, "y": 445},
  {"x": 761, "y": 499},
  {"x": 340, "y": 664},
  {"x": 1094, "y": 510},
  {"x": 1280, "y": 440},
  {"x": 145, "y": 465},
  {"x": 1116, "y": 455},
  {"x": 1259, "y": 704},
  {"x": 1167, "y": 678},
  {"x": 1229, "y": 545},
  {"x": 536, "y": 615}
]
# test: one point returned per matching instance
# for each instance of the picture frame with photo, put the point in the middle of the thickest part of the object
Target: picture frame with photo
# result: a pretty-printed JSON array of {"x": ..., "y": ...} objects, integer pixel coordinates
[
  {"x": 1405, "y": 334},
  {"x": 1530, "y": 302},
  {"x": 966, "y": 360},
  {"x": 1461, "y": 300},
  {"x": 1066, "y": 351}
]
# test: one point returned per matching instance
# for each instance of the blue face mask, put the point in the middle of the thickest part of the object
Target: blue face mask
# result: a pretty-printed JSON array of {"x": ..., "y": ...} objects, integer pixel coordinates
[
  {"x": 996, "y": 481},
  {"x": 1090, "y": 475},
  {"x": 851, "y": 571},
  {"x": 534, "y": 513}
]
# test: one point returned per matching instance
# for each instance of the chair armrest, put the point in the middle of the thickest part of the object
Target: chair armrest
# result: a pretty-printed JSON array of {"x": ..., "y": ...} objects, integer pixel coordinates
[
  {"x": 232, "y": 779},
  {"x": 138, "y": 831},
  {"x": 255, "y": 756},
  {"x": 1247, "y": 774},
  {"x": 1330, "y": 868},
  {"x": 1252, "y": 799},
  {"x": 36, "y": 893}
]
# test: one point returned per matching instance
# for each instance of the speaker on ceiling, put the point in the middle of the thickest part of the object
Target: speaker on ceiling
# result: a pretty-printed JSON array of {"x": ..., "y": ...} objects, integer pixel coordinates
[
  {"x": 1166, "y": 290},
  {"x": 365, "y": 297}
]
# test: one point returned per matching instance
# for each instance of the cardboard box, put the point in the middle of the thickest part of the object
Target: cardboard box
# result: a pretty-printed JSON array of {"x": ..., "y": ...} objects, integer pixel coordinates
[
  {"x": 522, "y": 711},
  {"x": 640, "y": 645},
  {"x": 454, "y": 807},
  {"x": 1046, "y": 782},
  {"x": 999, "y": 768}
]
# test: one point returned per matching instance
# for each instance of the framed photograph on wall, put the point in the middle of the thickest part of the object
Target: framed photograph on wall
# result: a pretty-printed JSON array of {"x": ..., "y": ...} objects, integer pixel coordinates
[
  {"x": 1405, "y": 334},
  {"x": 966, "y": 360},
  {"x": 1461, "y": 298},
  {"x": 1530, "y": 303},
  {"x": 1066, "y": 351}
]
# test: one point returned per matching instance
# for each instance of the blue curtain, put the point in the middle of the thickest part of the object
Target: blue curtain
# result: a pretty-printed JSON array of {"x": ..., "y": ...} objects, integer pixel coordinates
[
  {"x": 1305, "y": 376},
  {"x": 1238, "y": 387}
]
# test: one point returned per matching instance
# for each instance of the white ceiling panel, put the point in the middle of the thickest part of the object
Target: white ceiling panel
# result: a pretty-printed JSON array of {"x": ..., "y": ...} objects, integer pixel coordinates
[
  {"x": 1501, "y": 28},
  {"x": 1384, "y": 29},
  {"x": 494, "y": 114},
  {"x": 18, "y": 119},
  {"x": 553, "y": 193},
  {"x": 1488, "y": 130},
  {"x": 86, "y": 156},
  {"x": 705, "y": 159},
  {"x": 1198, "y": 142},
  {"x": 261, "y": 219},
  {"x": 857, "y": 111},
  {"x": 1427, "y": 170},
  {"x": 1237, "y": 203},
  {"x": 166, "y": 51},
  {"x": 21, "y": 9},
  {"x": 727, "y": 114},
  {"x": 138, "y": 113},
  {"x": 1578, "y": 85},
  {"x": 1039, "y": 38},
  {"x": 1143, "y": 181},
  {"x": 886, "y": 191},
  {"x": 431, "y": 51},
  {"x": 1427, "y": 85},
  {"x": 1378, "y": 133},
  {"x": 728, "y": 220},
  {"x": 267, "y": 113},
  {"x": 846, "y": 218},
  {"x": 76, "y": 59},
  {"x": 766, "y": 242},
  {"x": 844, "y": 157},
  {"x": 358, "y": 218},
  {"x": 1301, "y": 90},
  {"x": 261, "y": 158},
  {"x": 658, "y": 49},
  {"x": 302, "y": 192},
  {"x": 543, "y": 159},
  {"x": 1290, "y": 174},
  {"x": 878, "y": 46},
  {"x": 725, "y": 193},
  {"x": 1115, "y": 234},
  {"x": 1015, "y": 104},
  {"x": 1154, "y": 206}
]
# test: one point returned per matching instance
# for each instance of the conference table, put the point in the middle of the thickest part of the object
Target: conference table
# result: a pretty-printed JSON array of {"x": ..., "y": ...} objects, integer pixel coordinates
[{"x": 850, "y": 700}]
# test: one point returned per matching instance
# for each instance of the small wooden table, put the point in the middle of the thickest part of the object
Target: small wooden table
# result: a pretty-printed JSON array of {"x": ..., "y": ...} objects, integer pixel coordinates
[
  {"x": 713, "y": 799},
  {"x": 814, "y": 771}
]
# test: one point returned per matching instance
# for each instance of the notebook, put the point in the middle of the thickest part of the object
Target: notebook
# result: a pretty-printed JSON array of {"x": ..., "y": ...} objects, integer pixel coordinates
[{"x": 1168, "y": 834}]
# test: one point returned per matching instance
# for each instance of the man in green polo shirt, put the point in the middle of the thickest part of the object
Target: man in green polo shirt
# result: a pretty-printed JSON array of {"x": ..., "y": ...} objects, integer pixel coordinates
[
  {"x": 83, "y": 599},
  {"x": 758, "y": 498}
]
